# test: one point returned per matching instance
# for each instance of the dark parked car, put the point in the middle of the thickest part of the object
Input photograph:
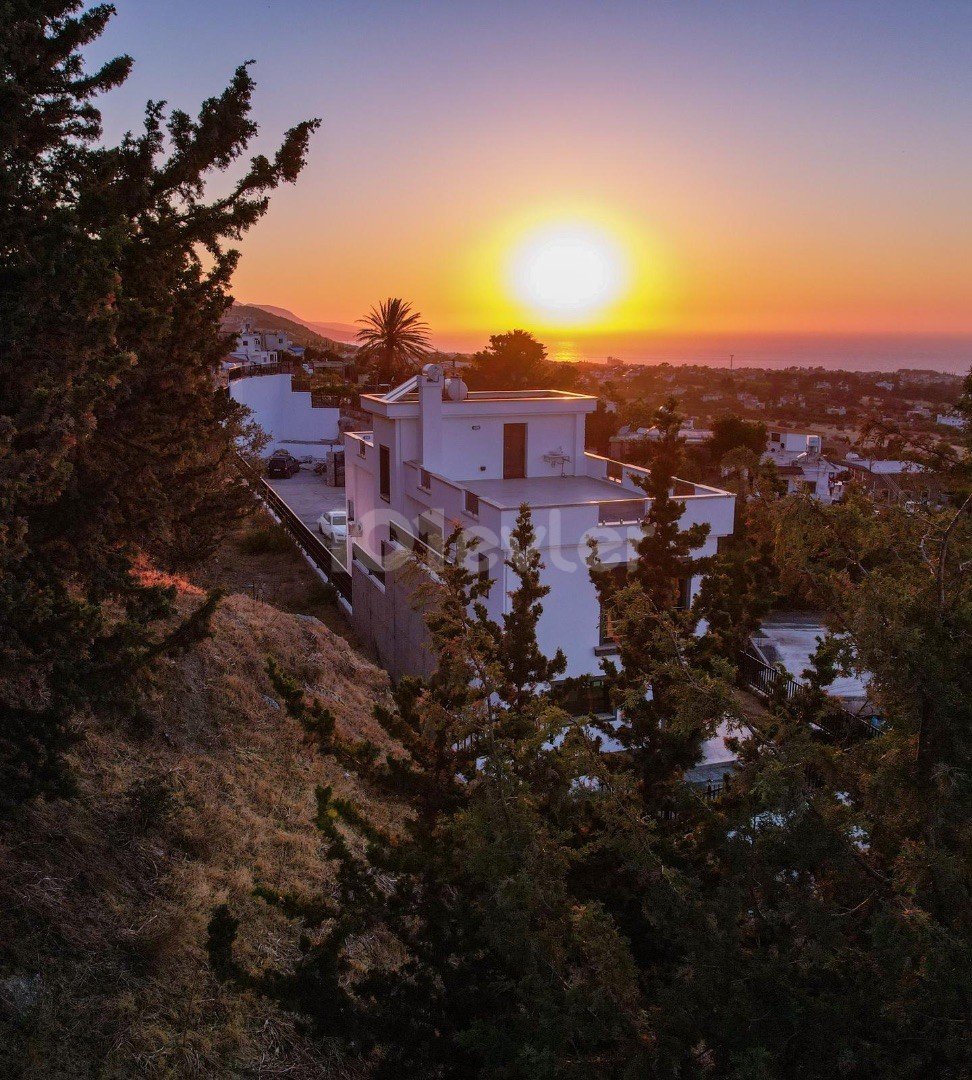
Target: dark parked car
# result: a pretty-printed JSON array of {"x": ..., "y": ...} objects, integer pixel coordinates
[{"x": 283, "y": 463}]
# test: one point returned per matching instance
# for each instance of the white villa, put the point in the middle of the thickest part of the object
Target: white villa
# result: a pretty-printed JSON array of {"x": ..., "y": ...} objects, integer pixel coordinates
[
  {"x": 802, "y": 465},
  {"x": 261, "y": 346},
  {"x": 439, "y": 456},
  {"x": 289, "y": 417}
]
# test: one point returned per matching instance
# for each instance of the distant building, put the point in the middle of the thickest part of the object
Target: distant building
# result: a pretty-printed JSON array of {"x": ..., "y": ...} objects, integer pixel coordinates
[
  {"x": 790, "y": 639},
  {"x": 261, "y": 346},
  {"x": 950, "y": 419},
  {"x": 290, "y": 418},
  {"x": 800, "y": 462},
  {"x": 785, "y": 446},
  {"x": 620, "y": 444},
  {"x": 892, "y": 479}
]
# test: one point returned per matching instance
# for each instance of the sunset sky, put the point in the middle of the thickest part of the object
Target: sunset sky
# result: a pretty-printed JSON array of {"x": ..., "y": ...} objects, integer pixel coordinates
[{"x": 715, "y": 166}]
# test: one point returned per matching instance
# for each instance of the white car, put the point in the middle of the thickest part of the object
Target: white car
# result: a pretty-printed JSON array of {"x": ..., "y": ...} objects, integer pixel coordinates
[{"x": 333, "y": 525}]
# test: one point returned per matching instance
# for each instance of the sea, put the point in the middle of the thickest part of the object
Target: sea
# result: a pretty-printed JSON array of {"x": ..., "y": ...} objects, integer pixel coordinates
[{"x": 950, "y": 353}]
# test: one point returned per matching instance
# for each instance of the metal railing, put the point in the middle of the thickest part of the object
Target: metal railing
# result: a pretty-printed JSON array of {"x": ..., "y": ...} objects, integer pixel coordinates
[
  {"x": 313, "y": 547},
  {"x": 416, "y": 545},
  {"x": 837, "y": 722}
]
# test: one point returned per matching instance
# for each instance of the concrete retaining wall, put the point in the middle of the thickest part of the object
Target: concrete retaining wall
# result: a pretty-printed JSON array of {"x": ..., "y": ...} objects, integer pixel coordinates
[{"x": 387, "y": 620}]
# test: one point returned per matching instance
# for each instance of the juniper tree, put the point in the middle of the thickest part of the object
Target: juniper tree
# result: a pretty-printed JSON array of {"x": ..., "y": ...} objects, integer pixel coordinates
[
  {"x": 842, "y": 859},
  {"x": 670, "y": 703},
  {"x": 493, "y": 966},
  {"x": 113, "y": 442}
]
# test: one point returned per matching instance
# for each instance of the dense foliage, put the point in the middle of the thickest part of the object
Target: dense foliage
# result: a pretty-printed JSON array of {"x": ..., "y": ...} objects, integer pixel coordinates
[
  {"x": 550, "y": 910},
  {"x": 513, "y": 361},
  {"x": 115, "y": 450}
]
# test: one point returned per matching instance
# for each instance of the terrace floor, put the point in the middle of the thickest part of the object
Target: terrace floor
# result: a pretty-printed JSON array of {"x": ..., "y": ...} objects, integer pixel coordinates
[{"x": 539, "y": 491}]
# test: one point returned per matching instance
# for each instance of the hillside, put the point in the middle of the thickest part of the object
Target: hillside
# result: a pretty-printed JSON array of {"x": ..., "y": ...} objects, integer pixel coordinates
[
  {"x": 259, "y": 318},
  {"x": 338, "y": 331},
  {"x": 106, "y": 898}
]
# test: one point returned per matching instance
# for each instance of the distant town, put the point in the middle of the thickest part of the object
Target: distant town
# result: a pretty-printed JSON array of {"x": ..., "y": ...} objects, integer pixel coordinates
[{"x": 824, "y": 428}]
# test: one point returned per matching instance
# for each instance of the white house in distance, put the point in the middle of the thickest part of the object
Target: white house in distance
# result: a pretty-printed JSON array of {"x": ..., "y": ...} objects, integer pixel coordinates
[
  {"x": 951, "y": 419},
  {"x": 801, "y": 464},
  {"x": 261, "y": 346},
  {"x": 439, "y": 455}
]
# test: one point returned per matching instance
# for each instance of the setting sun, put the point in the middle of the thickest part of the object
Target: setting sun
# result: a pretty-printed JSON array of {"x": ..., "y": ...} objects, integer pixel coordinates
[{"x": 567, "y": 273}]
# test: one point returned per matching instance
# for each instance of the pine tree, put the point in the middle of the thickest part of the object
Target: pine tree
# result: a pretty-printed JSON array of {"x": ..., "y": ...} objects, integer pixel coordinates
[
  {"x": 494, "y": 966},
  {"x": 114, "y": 443},
  {"x": 841, "y": 858},
  {"x": 669, "y": 702}
]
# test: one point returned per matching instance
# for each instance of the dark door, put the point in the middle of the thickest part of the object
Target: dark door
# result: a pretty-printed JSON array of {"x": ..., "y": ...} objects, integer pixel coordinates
[
  {"x": 514, "y": 451},
  {"x": 384, "y": 473}
]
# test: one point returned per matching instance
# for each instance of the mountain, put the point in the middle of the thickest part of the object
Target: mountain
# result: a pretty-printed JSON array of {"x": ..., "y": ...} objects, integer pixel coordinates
[
  {"x": 265, "y": 319},
  {"x": 337, "y": 331}
]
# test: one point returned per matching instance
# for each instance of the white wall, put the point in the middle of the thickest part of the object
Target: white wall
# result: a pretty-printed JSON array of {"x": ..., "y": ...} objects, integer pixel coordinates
[
  {"x": 287, "y": 417},
  {"x": 472, "y": 446}
]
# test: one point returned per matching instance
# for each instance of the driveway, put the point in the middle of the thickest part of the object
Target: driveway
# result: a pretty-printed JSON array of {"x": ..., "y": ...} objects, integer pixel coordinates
[{"x": 308, "y": 496}]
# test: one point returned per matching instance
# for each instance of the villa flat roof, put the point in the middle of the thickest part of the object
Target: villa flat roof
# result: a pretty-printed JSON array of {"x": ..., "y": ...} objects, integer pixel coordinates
[
  {"x": 493, "y": 395},
  {"x": 545, "y": 491}
]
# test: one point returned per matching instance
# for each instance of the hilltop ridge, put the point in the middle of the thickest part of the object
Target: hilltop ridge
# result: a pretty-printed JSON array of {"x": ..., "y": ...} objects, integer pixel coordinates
[
  {"x": 338, "y": 330},
  {"x": 261, "y": 318}
]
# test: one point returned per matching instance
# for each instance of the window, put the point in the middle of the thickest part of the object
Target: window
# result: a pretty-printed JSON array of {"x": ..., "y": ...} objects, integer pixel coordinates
[
  {"x": 430, "y": 534},
  {"x": 361, "y": 448},
  {"x": 350, "y": 510},
  {"x": 471, "y": 504},
  {"x": 615, "y": 472},
  {"x": 584, "y": 696},
  {"x": 384, "y": 473},
  {"x": 684, "y": 601},
  {"x": 425, "y": 479},
  {"x": 606, "y": 635},
  {"x": 618, "y": 579},
  {"x": 483, "y": 571}
]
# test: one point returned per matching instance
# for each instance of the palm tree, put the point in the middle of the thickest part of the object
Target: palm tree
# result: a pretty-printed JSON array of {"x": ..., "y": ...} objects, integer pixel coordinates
[{"x": 394, "y": 339}]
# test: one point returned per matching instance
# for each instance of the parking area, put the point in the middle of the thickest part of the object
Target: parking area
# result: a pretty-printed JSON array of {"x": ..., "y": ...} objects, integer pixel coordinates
[{"x": 308, "y": 496}]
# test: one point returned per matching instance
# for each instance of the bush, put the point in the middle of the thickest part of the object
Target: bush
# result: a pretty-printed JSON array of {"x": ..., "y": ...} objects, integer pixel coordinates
[{"x": 270, "y": 539}]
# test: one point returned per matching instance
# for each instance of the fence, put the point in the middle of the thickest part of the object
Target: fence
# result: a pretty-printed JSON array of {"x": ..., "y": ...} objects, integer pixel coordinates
[
  {"x": 313, "y": 547},
  {"x": 765, "y": 680},
  {"x": 836, "y": 722},
  {"x": 250, "y": 371}
]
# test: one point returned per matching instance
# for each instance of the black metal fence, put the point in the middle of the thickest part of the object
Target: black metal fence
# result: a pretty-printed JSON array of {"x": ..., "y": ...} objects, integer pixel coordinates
[
  {"x": 836, "y": 722},
  {"x": 765, "y": 680},
  {"x": 313, "y": 547}
]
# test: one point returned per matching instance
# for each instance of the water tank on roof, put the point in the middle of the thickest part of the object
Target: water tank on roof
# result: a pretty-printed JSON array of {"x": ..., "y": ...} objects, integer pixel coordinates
[
  {"x": 433, "y": 372},
  {"x": 456, "y": 389}
]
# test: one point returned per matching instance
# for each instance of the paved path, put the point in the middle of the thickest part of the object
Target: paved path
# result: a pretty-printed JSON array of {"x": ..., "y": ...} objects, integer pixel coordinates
[{"x": 308, "y": 496}]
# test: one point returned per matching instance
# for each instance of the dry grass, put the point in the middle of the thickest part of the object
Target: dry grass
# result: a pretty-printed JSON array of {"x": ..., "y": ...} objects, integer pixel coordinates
[
  {"x": 105, "y": 899},
  {"x": 260, "y": 560}
]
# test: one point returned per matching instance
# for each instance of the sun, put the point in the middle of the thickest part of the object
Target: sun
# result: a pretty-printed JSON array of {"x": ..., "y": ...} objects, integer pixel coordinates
[{"x": 567, "y": 273}]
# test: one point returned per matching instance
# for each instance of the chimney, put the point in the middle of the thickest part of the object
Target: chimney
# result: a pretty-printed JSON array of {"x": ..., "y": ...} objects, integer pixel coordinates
[{"x": 430, "y": 383}]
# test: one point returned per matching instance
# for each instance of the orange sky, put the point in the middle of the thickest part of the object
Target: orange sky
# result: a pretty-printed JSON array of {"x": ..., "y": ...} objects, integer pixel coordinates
[{"x": 764, "y": 167}]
